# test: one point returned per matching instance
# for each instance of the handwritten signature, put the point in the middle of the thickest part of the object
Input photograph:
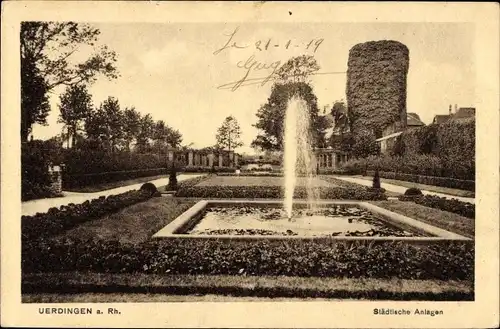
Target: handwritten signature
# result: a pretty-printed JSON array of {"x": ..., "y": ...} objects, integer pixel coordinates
[{"x": 251, "y": 64}]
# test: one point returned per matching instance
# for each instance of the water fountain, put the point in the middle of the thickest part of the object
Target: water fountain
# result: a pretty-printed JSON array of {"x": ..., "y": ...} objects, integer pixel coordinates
[{"x": 297, "y": 156}]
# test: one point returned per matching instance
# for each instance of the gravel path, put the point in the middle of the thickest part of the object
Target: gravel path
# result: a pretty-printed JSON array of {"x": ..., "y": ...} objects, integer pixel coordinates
[
  {"x": 401, "y": 189},
  {"x": 43, "y": 205}
]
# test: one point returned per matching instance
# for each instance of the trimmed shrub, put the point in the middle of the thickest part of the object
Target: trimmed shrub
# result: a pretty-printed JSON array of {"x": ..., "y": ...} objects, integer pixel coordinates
[
  {"x": 172, "y": 178},
  {"x": 413, "y": 191},
  {"x": 149, "y": 188},
  {"x": 376, "y": 180}
]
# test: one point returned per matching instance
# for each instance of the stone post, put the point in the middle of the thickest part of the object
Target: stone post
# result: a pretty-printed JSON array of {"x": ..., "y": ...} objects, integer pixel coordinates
[
  {"x": 55, "y": 179},
  {"x": 210, "y": 160},
  {"x": 334, "y": 160},
  {"x": 220, "y": 159},
  {"x": 190, "y": 158}
]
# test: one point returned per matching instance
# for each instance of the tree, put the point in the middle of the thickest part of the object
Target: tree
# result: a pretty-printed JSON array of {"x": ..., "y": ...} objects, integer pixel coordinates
[
  {"x": 113, "y": 122},
  {"x": 365, "y": 145},
  {"x": 341, "y": 137},
  {"x": 228, "y": 134},
  {"x": 340, "y": 117},
  {"x": 174, "y": 137},
  {"x": 160, "y": 134},
  {"x": 297, "y": 69},
  {"x": 292, "y": 81},
  {"x": 272, "y": 114},
  {"x": 146, "y": 128},
  {"x": 95, "y": 128},
  {"x": 131, "y": 126},
  {"x": 48, "y": 60},
  {"x": 104, "y": 125},
  {"x": 35, "y": 105},
  {"x": 75, "y": 105}
]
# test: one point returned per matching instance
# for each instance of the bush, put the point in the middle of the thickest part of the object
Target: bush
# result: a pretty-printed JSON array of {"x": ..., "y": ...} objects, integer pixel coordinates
[
  {"x": 149, "y": 188},
  {"x": 56, "y": 221},
  {"x": 413, "y": 191},
  {"x": 453, "y": 261}
]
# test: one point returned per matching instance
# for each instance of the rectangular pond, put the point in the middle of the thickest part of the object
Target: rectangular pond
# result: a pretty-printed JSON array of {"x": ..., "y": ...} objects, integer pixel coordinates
[
  {"x": 331, "y": 220},
  {"x": 337, "y": 220}
]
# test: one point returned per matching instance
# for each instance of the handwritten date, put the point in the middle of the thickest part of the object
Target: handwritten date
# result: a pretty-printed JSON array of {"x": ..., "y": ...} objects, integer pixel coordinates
[
  {"x": 311, "y": 45},
  {"x": 263, "y": 45}
]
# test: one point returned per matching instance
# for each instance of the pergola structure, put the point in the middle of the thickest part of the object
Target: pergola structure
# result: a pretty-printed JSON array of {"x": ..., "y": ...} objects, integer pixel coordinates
[
  {"x": 204, "y": 158},
  {"x": 328, "y": 159}
]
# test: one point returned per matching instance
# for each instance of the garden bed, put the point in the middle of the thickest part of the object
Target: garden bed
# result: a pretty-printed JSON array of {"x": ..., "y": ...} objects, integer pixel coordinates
[
  {"x": 58, "y": 220},
  {"x": 453, "y": 261},
  {"x": 445, "y": 220},
  {"x": 458, "y": 207},
  {"x": 134, "y": 224},
  {"x": 276, "y": 192}
]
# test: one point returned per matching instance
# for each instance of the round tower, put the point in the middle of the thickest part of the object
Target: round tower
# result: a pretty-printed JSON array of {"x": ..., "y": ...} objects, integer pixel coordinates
[{"x": 376, "y": 86}]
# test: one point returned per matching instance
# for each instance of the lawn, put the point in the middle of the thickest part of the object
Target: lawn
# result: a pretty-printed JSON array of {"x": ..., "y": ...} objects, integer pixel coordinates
[
  {"x": 111, "y": 185},
  {"x": 133, "y": 224},
  {"x": 430, "y": 188},
  {"x": 443, "y": 219},
  {"x": 126, "y": 287},
  {"x": 258, "y": 181}
]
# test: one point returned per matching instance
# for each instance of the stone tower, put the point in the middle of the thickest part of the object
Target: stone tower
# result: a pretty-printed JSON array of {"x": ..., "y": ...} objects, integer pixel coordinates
[{"x": 376, "y": 86}]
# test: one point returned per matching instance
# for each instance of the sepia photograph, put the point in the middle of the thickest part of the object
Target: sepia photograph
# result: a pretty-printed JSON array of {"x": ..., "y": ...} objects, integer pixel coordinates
[{"x": 247, "y": 161}]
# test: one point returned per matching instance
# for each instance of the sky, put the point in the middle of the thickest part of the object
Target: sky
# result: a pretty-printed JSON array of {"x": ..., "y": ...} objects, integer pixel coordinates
[{"x": 174, "y": 71}]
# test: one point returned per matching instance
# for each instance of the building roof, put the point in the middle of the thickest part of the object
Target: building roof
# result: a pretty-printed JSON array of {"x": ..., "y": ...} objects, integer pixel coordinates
[
  {"x": 465, "y": 112},
  {"x": 412, "y": 119},
  {"x": 440, "y": 118},
  {"x": 462, "y": 113}
]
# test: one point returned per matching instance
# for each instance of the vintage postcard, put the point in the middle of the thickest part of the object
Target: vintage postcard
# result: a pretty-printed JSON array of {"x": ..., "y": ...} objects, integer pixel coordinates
[{"x": 250, "y": 164}]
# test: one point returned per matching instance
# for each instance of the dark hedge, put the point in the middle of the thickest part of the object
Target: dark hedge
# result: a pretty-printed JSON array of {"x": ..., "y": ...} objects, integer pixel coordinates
[
  {"x": 291, "y": 258},
  {"x": 276, "y": 192}
]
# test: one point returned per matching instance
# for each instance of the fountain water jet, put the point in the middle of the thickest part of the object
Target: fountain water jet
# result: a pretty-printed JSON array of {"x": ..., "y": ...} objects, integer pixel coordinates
[{"x": 297, "y": 157}]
